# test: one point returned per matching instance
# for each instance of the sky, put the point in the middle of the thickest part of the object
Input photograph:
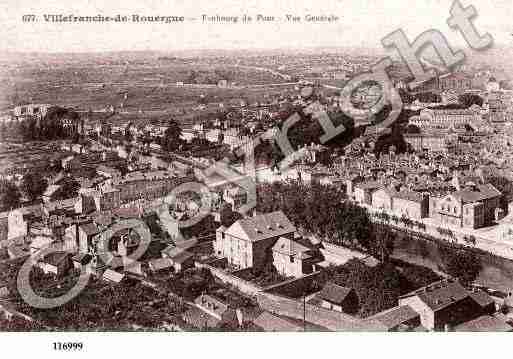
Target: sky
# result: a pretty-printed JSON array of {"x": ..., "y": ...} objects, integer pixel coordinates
[{"x": 362, "y": 24}]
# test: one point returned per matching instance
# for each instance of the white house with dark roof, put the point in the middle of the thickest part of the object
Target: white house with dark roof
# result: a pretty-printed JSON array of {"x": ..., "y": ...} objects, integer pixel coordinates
[
  {"x": 291, "y": 258},
  {"x": 248, "y": 242}
]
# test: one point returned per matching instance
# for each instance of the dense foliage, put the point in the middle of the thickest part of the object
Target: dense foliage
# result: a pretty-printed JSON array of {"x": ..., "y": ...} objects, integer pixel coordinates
[
  {"x": 33, "y": 185},
  {"x": 378, "y": 288},
  {"x": 319, "y": 210},
  {"x": 9, "y": 195},
  {"x": 51, "y": 126},
  {"x": 172, "y": 136},
  {"x": 461, "y": 264}
]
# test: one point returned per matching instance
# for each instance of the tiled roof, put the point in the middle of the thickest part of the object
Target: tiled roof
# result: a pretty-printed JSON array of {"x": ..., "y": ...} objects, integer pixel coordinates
[
  {"x": 483, "y": 192},
  {"x": 485, "y": 323},
  {"x": 113, "y": 276},
  {"x": 272, "y": 323},
  {"x": 160, "y": 263},
  {"x": 262, "y": 226},
  {"x": 481, "y": 298},
  {"x": 181, "y": 257},
  {"x": 440, "y": 294},
  {"x": 408, "y": 195},
  {"x": 393, "y": 317},
  {"x": 290, "y": 247},
  {"x": 334, "y": 293}
]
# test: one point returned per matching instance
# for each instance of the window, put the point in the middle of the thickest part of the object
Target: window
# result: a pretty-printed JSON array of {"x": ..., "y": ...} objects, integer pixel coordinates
[{"x": 291, "y": 259}]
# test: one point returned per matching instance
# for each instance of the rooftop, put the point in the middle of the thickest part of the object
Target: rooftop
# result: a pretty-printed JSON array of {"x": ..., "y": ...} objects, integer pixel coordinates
[
  {"x": 485, "y": 323},
  {"x": 262, "y": 226},
  {"x": 396, "y": 316},
  {"x": 272, "y": 323},
  {"x": 440, "y": 294},
  {"x": 334, "y": 293},
  {"x": 290, "y": 247},
  {"x": 482, "y": 192}
]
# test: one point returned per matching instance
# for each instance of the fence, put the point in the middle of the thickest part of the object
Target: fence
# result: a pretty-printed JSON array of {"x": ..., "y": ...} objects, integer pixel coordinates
[
  {"x": 294, "y": 288},
  {"x": 313, "y": 314},
  {"x": 239, "y": 283}
]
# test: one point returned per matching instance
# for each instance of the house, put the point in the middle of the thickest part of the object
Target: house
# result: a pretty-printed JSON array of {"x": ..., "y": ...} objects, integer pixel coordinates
[
  {"x": 4, "y": 292},
  {"x": 182, "y": 261},
  {"x": 363, "y": 191},
  {"x": 160, "y": 264},
  {"x": 485, "y": 323},
  {"x": 248, "y": 242},
  {"x": 209, "y": 312},
  {"x": 56, "y": 263},
  {"x": 86, "y": 232},
  {"x": 235, "y": 196},
  {"x": 446, "y": 304},
  {"x": 112, "y": 276},
  {"x": 401, "y": 203},
  {"x": 272, "y": 323},
  {"x": 292, "y": 259},
  {"x": 50, "y": 193},
  {"x": 471, "y": 207},
  {"x": 17, "y": 223},
  {"x": 338, "y": 298},
  {"x": 398, "y": 318}
]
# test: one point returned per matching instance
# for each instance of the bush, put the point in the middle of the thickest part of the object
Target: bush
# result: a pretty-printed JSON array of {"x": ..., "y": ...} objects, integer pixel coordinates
[{"x": 460, "y": 264}]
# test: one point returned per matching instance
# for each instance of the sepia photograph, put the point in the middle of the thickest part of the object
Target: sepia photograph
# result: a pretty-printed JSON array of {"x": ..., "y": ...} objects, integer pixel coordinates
[{"x": 255, "y": 166}]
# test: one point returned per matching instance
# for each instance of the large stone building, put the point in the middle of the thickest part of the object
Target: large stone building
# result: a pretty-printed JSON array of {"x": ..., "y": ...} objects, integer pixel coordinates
[
  {"x": 472, "y": 207},
  {"x": 248, "y": 242},
  {"x": 430, "y": 141},
  {"x": 407, "y": 203},
  {"x": 453, "y": 81},
  {"x": 31, "y": 110},
  {"x": 136, "y": 186},
  {"x": 447, "y": 118}
]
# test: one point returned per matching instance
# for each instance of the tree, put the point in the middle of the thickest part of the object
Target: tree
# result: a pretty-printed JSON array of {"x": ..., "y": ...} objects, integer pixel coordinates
[
  {"x": 378, "y": 288},
  {"x": 383, "y": 246},
  {"x": 33, "y": 185},
  {"x": 469, "y": 99},
  {"x": 419, "y": 276},
  {"x": 128, "y": 134},
  {"x": 460, "y": 263},
  {"x": 9, "y": 195},
  {"x": 68, "y": 189},
  {"x": 172, "y": 136}
]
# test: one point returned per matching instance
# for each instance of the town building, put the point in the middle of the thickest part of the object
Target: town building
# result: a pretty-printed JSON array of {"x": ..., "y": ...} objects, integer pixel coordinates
[
  {"x": 429, "y": 141},
  {"x": 447, "y": 118},
  {"x": 397, "y": 319},
  {"x": 338, "y": 298},
  {"x": 471, "y": 207},
  {"x": 445, "y": 304},
  {"x": 292, "y": 259},
  {"x": 453, "y": 81},
  {"x": 248, "y": 242},
  {"x": 407, "y": 203}
]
